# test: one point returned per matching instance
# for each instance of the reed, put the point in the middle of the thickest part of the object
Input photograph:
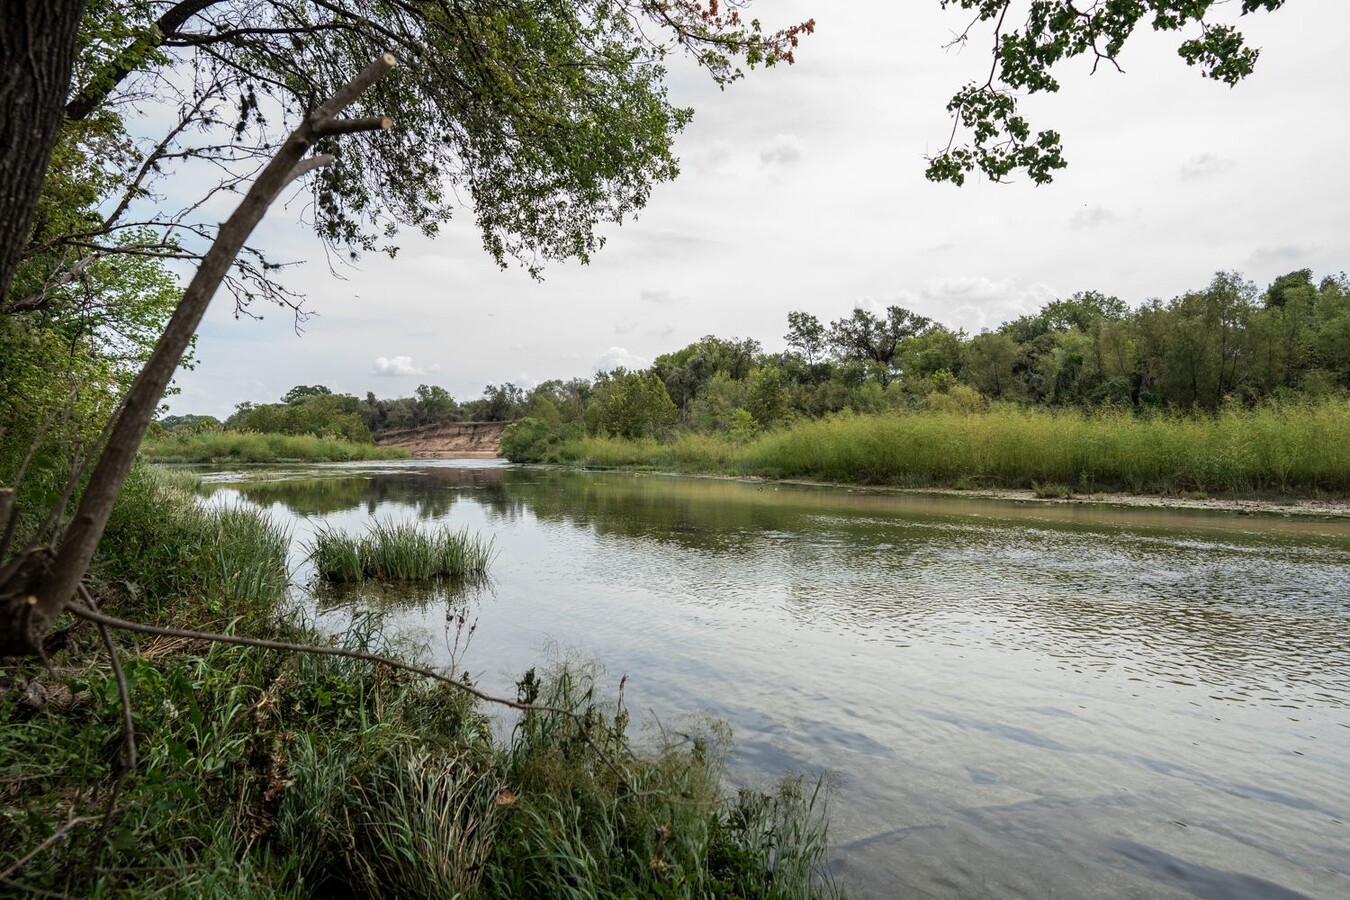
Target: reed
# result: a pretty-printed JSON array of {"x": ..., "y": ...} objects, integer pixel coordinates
[
  {"x": 254, "y": 447},
  {"x": 400, "y": 551},
  {"x": 1292, "y": 448}
]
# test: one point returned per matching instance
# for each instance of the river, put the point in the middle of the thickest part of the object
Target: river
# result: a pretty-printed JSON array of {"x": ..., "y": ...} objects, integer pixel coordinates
[{"x": 1010, "y": 700}]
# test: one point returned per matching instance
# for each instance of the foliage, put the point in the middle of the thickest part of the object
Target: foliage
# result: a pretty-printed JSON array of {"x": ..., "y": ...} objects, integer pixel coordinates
[
  {"x": 213, "y": 446},
  {"x": 629, "y": 404},
  {"x": 1055, "y": 31},
  {"x": 1277, "y": 448}
]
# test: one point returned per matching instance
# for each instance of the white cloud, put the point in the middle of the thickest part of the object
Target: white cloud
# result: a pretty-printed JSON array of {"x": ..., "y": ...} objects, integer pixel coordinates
[
  {"x": 1092, "y": 216},
  {"x": 397, "y": 366},
  {"x": 625, "y": 325},
  {"x": 975, "y": 303},
  {"x": 784, "y": 150},
  {"x": 615, "y": 357},
  {"x": 1276, "y": 254},
  {"x": 656, "y": 295},
  {"x": 1205, "y": 165}
]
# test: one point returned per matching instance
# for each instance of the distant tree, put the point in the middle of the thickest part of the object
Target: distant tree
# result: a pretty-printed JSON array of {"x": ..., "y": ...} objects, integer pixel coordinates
[
  {"x": 806, "y": 336},
  {"x": 630, "y": 404},
  {"x": 431, "y": 404},
  {"x": 500, "y": 403},
  {"x": 874, "y": 341},
  {"x": 304, "y": 392},
  {"x": 989, "y": 362}
]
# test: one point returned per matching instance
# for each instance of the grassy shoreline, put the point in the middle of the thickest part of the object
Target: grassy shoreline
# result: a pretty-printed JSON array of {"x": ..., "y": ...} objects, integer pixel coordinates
[
  {"x": 267, "y": 774},
  {"x": 1295, "y": 450},
  {"x": 254, "y": 447}
]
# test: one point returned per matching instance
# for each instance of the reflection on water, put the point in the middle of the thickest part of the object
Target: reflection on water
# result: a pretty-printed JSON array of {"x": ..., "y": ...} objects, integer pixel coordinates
[{"x": 1015, "y": 700}]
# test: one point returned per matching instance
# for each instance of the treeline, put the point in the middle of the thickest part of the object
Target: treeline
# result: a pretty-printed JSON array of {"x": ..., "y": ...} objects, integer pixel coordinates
[
  {"x": 1227, "y": 343},
  {"x": 315, "y": 410}
]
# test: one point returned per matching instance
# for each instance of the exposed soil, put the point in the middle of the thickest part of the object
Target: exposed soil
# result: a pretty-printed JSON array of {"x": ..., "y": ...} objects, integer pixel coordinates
[{"x": 448, "y": 440}]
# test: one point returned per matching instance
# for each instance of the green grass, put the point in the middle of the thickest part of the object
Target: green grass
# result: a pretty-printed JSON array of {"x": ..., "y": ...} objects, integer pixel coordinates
[
  {"x": 391, "y": 551},
  {"x": 267, "y": 774},
  {"x": 252, "y": 447},
  {"x": 1295, "y": 448}
]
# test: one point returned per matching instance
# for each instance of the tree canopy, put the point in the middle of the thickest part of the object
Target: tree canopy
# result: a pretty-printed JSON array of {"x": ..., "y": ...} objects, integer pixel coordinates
[{"x": 1001, "y": 140}]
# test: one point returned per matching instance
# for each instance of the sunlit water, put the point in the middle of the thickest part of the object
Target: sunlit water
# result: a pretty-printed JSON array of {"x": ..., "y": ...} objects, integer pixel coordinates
[{"x": 1012, "y": 700}]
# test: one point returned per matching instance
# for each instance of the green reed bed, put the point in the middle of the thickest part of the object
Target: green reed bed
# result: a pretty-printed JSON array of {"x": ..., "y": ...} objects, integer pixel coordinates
[
  {"x": 391, "y": 551},
  {"x": 253, "y": 447},
  {"x": 1298, "y": 448}
]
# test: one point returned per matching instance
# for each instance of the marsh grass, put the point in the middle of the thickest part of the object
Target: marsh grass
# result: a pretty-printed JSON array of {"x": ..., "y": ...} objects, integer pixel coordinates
[
  {"x": 1292, "y": 448},
  {"x": 253, "y": 447},
  {"x": 400, "y": 551}
]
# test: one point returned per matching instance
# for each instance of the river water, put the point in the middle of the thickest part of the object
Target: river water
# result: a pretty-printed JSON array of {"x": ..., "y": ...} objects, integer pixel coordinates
[{"x": 1010, "y": 700}]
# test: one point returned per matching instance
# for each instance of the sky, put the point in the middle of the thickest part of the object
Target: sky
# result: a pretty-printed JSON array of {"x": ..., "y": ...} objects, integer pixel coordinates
[{"x": 802, "y": 188}]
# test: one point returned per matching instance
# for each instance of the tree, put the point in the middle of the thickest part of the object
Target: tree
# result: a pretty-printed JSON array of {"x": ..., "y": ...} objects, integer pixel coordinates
[
  {"x": 1053, "y": 31},
  {"x": 629, "y": 404},
  {"x": 806, "y": 336},
  {"x": 865, "y": 338},
  {"x": 304, "y": 391}
]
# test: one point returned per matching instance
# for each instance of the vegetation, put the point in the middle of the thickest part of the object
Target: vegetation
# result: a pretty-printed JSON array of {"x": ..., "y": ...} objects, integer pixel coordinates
[
  {"x": 266, "y": 774},
  {"x": 208, "y": 446},
  {"x": 1301, "y": 448},
  {"x": 401, "y": 551}
]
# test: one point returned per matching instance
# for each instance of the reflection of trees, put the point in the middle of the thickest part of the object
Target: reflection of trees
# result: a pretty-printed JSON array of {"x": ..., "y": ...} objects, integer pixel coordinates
[
  {"x": 1171, "y": 598},
  {"x": 709, "y": 515},
  {"x": 432, "y": 492}
]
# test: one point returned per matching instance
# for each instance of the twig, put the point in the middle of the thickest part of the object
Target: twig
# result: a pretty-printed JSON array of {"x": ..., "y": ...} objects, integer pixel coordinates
[
  {"x": 51, "y": 839},
  {"x": 123, "y": 694},
  {"x": 285, "y": 646}
]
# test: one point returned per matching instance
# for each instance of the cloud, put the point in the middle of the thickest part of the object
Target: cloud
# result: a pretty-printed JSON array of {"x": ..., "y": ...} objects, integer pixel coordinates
[
  {"x": 1092, "y": 216},
  {"x": 625, "y": 326},
  {"x": 1280, "y": 253},
  {"x": 785, "y": 150},
  {"x": 656, "y": 295},
  {"x": 397, "y": 366},
  {"x": 615, "y": 357},
  {"x": 974, "y": 303},
  {"x": 964, "y": 287},
  {"x": 1204, "y": 166}
]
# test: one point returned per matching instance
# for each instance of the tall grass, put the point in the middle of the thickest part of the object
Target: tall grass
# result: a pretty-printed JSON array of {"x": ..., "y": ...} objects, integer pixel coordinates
[
  {"x": 167, "y": 549},
  {"x": 253, "y": 447},
  {"x": 400, "y": 551},
  {"x": 1298, "y": 448}
]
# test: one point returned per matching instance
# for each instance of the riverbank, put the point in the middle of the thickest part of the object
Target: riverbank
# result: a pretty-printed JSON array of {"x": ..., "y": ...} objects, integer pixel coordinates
[
  {"x": 1285, "y": 454},
  {"x": 263, "y": 773}
]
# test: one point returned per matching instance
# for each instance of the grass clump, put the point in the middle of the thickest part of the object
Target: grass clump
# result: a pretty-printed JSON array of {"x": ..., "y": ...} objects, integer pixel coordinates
[
  {"x": 390, "y": 551},
  {"x": 255, "y": 447}
]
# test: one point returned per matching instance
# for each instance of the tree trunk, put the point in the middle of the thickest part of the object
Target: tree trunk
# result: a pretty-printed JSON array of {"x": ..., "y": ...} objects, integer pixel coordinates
[{"x": 37, "y": 52}]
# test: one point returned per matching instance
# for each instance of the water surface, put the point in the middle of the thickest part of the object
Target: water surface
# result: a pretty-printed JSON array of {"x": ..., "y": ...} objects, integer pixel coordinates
[{"x": 1013, "y": 700}]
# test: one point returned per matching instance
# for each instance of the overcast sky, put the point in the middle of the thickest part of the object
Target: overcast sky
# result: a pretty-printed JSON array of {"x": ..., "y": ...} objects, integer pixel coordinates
[{"x": 802, "y": 188}]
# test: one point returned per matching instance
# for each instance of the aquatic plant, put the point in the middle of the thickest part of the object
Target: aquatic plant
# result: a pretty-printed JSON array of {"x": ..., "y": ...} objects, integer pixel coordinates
[{"x": 400, "y": 551}]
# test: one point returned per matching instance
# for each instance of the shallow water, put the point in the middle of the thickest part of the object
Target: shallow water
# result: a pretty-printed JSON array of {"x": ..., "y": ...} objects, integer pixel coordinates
[{"x": 1013, "y": 700}]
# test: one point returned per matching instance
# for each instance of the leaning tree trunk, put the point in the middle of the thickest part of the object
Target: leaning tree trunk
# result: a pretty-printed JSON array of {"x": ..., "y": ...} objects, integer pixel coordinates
[
  {"x": 37, "y": 52},
  {"x": 35, "y": 588}
]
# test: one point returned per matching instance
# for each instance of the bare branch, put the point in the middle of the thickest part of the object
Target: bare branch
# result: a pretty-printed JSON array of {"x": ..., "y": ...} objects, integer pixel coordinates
[
  {"x": 262, "y": 643},
  {"x": 309, "y": 165}
]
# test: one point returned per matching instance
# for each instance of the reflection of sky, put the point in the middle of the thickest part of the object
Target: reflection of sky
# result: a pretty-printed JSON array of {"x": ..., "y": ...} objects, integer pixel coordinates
[{"x": 1014, "y": 689}]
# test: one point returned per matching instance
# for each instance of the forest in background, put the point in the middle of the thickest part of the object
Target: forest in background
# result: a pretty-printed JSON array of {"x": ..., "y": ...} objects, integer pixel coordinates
[{"x": 1230, "y": 342}]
